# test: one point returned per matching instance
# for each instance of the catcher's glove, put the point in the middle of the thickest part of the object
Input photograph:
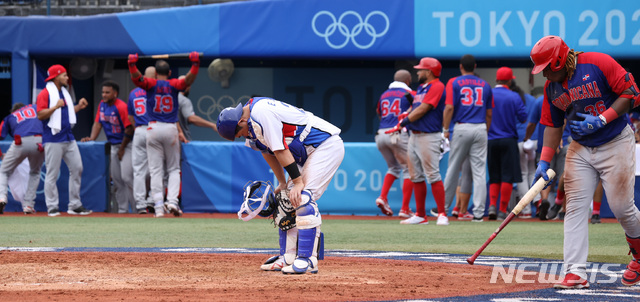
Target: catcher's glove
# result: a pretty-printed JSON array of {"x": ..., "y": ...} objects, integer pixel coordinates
[{"x": 285, "y": 214}]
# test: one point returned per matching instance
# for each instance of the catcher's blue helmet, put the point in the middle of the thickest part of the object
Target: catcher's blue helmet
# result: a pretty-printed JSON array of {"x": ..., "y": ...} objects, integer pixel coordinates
[{"x": 228, "y": 120}]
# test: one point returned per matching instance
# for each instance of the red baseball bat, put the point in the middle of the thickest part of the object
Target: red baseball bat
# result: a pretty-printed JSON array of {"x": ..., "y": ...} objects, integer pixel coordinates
[{"x": 524, "y": 201}]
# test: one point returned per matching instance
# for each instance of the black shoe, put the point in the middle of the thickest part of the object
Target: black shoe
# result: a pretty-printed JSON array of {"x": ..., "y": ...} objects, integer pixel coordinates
[
  {"x": 142, "y": 211},
  {"x": 553, "y": 211},
  {"x": 54, "y": 212},
  {"x": 595, "y": 218},
  {"x": 151, "y": 209},
  {"x": 2, "y": 204},
  {"x": 493, "y": 213},
  {"x": 543, "y": 209},
  {"x": 79, "y": 211},
  {"x": 434, "y": 212},
  {"x": 477, "y": 219}
]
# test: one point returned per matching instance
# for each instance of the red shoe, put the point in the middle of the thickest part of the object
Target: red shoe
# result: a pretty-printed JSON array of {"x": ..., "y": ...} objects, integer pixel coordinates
[
  {"x": 465, "y": 216},
  {"x": 455, "y": 212},
  {"x": 384, "y": 206},
  {"x": 405, "y": 214},
  {"x": 572, "y": 281},
  {"x": 632, "y": 275}
]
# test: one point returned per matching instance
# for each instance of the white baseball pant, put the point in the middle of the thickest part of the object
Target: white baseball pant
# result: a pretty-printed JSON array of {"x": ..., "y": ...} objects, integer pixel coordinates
[
  {"x": 140, "y": 167},
  {"x": 14, "y": 156},
  {"x": 122, "y": 176},
  {"x": 163, "y": 149},
  {"x": 614, "y": 163},
  {"x": 54, "y": 153}
]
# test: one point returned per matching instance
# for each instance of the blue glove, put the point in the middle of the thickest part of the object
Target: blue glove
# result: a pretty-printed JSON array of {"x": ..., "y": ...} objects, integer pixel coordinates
[
  {"x": 541, "y": 171},
  {"x": 589, "y": 125}
]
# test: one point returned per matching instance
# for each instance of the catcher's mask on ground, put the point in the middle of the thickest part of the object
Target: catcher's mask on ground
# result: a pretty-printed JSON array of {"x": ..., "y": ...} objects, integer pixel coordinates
[{"x": 258, "y": 200}]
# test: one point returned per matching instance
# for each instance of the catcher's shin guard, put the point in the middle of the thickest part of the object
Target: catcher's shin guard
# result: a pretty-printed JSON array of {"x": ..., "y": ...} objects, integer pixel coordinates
[{"x": 288, "y": 245}]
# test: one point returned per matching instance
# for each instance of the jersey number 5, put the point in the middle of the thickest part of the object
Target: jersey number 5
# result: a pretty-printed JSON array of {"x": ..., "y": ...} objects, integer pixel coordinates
[
  {"x": 164, "y": 104},
  {"x": 469, "y": 98},
  {"x": 390, "y": 106},
  {"x": 140, "y": 105}
]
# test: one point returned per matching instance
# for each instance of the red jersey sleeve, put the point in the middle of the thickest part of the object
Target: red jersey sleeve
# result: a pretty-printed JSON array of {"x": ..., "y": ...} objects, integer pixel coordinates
[
  {"x": 179, "y": 84},
  {"x": 434, "y": 94},
  {"x": 97, "y": 119},
  {"x": 145, "y": 83},
  {"x": 615, "y": 74},
  {"x": 42, "y": 102},
  {"x": 449, "y": 99},
  {"x": 123, "y": 110}
]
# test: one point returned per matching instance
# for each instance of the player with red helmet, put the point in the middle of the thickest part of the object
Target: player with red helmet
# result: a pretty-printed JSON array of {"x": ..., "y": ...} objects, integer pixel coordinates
[{"x": 593, "y": 92}]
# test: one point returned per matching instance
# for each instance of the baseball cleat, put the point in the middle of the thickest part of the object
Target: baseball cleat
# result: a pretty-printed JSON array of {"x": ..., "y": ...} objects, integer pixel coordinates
[
  {"x": 158, "y": 211},
  {"x": 572, "y": 281},
  {"x": 543, "y": 209},
  {"x": 384, "y": 206},
  {"x": 174, "y": 209},
  {"x": 455, "y": 212},
  {"x": 79, "y": 211},
  {"x": 442, "y": 220},
  {"x": 301, "y": 266},
  {"x": 492, "y": 213},
  {"x": 434, "y": 212},
  {"x": 28, "y": 210},
  {"x": 275, "y": 263},
  {"x": 631, "y": 276},
  {"x": 501, "y": 216},
  {"x": 595, "y": 218},
  {"x": 405, "y": 214},
  {"x": 54, "y": 212},
  {"x": 3, "y": 203},
  {"x": 553, "y": 211},
  {"x": 465, "y": 216},
  {"x": 415, "y": 220}
]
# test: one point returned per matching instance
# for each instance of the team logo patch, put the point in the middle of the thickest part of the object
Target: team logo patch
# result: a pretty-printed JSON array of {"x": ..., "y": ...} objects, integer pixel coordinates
[{"x": 586, "y": 77}]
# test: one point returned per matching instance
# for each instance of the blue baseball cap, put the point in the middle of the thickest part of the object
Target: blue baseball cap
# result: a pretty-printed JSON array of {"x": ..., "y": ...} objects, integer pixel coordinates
[{"x": 228, "y": 121}]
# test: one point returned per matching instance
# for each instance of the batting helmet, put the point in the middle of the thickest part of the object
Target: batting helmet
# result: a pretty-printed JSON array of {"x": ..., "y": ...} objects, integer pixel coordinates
[
  {"x": 431, "y": 64},
  {"x": 550, "y": 50},
  {"x": 228, "y": 120}
]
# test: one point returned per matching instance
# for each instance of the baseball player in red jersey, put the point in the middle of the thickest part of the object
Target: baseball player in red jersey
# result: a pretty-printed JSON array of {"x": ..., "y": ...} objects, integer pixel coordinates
[
  {"x": 393, "y": 147},
  {"x": 112, "y": 116},
  {"x": 58, "y": 115},
  {"x": 163, "y": 146},
  {"x": 425, "y": 124},
  {"x": 26, "y": 129},
  {"x": 469, "y": 104},
  {"x": 593, "y": 92}
]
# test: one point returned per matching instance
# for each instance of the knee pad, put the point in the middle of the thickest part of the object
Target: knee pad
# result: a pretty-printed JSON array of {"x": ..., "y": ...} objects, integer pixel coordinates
[
  {"x": 310, "y": 243},
  {"x": 308, "y": 216},
  {"x": 288, "y": 245}
]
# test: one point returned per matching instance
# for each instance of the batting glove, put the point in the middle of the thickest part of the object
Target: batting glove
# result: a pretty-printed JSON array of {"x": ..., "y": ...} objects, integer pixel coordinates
[
  {"x": 541, "y": 171},
  {"x": 589, "y": 125},
  {"x": 396, "y": 128},
  {"x": 402, "y": 116},
  {"x": 133, "y": 59},
  {"x": 194, "y": 57}
]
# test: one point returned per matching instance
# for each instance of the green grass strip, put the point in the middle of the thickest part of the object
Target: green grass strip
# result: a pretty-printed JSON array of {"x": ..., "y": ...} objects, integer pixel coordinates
[{"x": 520, "y": 238}]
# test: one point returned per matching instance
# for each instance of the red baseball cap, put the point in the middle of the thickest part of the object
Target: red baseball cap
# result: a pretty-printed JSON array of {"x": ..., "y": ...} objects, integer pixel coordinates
[
  {"x": 55, "y": 71},
  {"x": 504, "y": 74}
]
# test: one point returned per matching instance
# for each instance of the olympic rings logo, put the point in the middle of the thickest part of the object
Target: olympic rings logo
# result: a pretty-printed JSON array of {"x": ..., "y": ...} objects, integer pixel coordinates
[
  {"x": 211, "y": 107},
  {"x": 343, "y": 29}
]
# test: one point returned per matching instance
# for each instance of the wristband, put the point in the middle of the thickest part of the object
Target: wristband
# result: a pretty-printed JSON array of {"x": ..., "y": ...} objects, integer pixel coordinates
[
  {"x": 194, "y": 68},
  {"x": 547, "y": 154},
  {"x": 293, "y": 171},
  {"x": 608, "y": 115},
  {"x": 133, "y": 68},
  {"x": 405, "y": 122},
  {"x": 445, "y": 130}
]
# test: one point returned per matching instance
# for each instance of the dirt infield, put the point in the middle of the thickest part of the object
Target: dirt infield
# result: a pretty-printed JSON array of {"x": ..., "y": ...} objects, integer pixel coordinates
[{"x": 93, "y": 276}]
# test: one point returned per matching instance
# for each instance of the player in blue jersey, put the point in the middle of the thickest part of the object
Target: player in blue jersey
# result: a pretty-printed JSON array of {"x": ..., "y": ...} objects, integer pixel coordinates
[
  {"x": 163, "y": 146},
  {"x": 502, "y": 153},
  {"x": 468, "y": 106},
  {"x": 137, "y": 106},
  {"x": 425, "y": 125},
  {"x": 310, "y": 150},
  {"x": 58, "y": 115},
  {"x": 594, "y": 93},
  {"x": 25, "y": 128},
  {"x": 395, "y": 101},
  {"x": 113, "y": 116}
]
